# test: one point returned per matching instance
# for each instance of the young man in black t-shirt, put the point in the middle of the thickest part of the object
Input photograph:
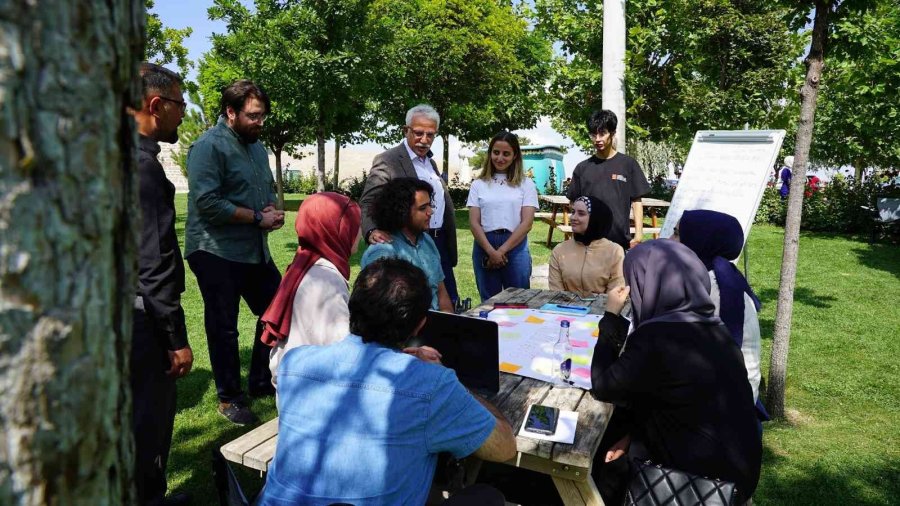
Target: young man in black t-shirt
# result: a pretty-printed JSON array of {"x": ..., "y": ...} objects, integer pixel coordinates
[{"x": 613, "y": 178}]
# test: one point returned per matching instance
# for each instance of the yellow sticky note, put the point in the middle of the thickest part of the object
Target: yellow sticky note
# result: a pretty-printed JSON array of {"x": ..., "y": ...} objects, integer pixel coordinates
[
  {"x": 581, "y": 359},
  {"x": 533, "y": 319},
  {"x": 510, "y": 368},
  {"x": 596, "y": 333}
]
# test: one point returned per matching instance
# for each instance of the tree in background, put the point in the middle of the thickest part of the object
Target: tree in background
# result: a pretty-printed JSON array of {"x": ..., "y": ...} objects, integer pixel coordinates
[
  {"x": 858, "y": 116},
  {"x": 476, "y": 61},
  {"x": 707, "y": 64},
  {"x": 68, "y": 255},
  {"x": 192, "y": 126},
  {"x": 164, "y": 45},
  {"x": 305, "y": 55},
  {"x": 826, "y": 15}
]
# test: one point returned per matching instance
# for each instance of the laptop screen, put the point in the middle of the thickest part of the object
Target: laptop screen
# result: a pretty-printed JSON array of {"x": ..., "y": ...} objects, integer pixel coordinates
[{"x": 468, "y": 345}]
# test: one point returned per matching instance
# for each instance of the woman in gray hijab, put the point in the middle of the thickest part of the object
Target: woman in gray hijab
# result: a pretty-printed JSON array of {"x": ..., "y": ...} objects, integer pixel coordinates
[{"x": 681, "y": 378}]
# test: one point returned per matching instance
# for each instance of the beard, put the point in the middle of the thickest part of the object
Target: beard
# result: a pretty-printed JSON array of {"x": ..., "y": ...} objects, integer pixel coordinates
[
  {"x": 248, "y": 132},
  {"x": 170, "y": 137}
]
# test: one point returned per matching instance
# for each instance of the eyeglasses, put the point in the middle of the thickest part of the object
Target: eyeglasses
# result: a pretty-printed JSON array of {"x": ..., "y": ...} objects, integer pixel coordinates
[
  {"x": 256, "y": 116},
  {"x": 420, "y": 133},
  {"x": 181, "y": 103},
  {"x": 425, "y": 207}
]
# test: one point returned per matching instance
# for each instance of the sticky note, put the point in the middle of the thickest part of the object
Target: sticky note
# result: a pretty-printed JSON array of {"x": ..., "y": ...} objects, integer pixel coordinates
[
  {"x": 533, "y": 319},
  {"x": 582, "y": 372},
  {"x": 510, "y": 335},
  {"x": 581, "y": 359},
  {"x": 515, "y": 312},
  {"x": 578, "y": 344},
  {"x": 596, "y": 333},
  {"x": 506, "y": 324},
  {"x": 564, "y": 319},
  {"x": 510, "y": 368}
]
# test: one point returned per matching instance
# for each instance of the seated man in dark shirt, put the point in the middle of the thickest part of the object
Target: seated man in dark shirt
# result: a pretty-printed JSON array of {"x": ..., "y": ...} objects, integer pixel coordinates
[{"x": 363, "y": 420}]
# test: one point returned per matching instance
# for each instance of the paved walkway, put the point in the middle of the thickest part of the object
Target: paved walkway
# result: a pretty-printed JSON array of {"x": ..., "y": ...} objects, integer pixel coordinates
[{"x": 539, "y": 274}]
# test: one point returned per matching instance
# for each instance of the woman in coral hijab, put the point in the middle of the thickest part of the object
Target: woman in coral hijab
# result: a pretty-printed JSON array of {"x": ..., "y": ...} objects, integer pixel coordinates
[{"x": 310, "y": 306}]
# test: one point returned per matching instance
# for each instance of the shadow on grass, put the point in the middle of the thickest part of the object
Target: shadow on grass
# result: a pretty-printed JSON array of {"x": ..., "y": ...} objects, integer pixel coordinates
[
  {"x": 292, "y": 202},
  {"x": 802, "y": 295},
  {"x": 825, "y": 483},
  {"x": 192, "y": 387},
  {"x": 883, "y": 257}
]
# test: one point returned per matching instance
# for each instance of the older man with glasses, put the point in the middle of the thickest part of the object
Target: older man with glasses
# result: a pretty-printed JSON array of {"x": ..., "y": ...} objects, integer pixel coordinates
[
  {"x": 230, "y": 214},
  {"x": 412, "y": 158}
]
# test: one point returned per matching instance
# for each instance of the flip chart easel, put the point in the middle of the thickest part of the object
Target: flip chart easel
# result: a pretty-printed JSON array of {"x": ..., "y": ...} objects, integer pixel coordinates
[{"x": 725, "y": 171}]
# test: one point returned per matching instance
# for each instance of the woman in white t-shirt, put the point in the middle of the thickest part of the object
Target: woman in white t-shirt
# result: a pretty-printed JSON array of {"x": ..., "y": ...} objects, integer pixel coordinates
[{"x": 501, "y": 203}]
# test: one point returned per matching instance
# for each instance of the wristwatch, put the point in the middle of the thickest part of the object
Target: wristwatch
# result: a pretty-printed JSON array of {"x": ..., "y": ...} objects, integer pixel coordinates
[{"x": 257, "y": 218}]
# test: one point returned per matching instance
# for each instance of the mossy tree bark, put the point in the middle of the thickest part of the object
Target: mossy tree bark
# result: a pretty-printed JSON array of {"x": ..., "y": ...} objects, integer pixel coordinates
[{"x": 68, "y": 238}]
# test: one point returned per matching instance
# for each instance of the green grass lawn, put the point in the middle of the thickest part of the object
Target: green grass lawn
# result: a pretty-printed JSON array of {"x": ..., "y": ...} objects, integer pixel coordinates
[{"x": 840, "y": 445}]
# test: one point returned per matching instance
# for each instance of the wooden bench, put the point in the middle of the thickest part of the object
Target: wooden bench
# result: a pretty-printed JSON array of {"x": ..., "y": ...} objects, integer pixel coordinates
[{"x": 254, "y": 449}]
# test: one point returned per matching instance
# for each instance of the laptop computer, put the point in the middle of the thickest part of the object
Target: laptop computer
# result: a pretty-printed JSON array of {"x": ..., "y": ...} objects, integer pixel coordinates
[{"x": 468, "y": 345}]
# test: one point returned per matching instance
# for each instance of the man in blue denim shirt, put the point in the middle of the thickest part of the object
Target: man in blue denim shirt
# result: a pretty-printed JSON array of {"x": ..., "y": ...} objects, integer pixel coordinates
[
  {"x": 403, "y": 208},
  {"x": 361, "y": 421}
]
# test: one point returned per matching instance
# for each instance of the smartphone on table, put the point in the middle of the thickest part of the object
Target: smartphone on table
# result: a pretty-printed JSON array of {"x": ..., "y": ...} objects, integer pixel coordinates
[{"x": 542, "y": 420}]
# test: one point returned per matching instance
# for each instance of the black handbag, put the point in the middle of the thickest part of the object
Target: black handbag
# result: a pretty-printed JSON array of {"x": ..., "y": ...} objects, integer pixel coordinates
[{"x": 655, "y": 485}]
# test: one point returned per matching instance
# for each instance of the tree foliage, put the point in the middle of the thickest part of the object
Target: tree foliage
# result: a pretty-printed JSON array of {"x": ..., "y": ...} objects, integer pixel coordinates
[
  {"x": 476, "y": 61},
  {"x": 164, "y": 45},
  {"x": 858, "y": 117},
  {"x": 691, "y": 65}
]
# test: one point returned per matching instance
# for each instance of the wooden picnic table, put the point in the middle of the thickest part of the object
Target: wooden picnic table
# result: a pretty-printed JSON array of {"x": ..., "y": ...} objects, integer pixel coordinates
[
  {"x": 569, "y": 465},
  {"x": 560, "y": 203}
]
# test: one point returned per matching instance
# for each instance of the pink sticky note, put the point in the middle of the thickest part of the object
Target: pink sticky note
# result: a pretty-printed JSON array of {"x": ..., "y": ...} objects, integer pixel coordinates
[
  {"x": 583, "y": 372},
  {"x": 564, "y": 319},
  {"x": 506, "y": 324},
  {"x": 578, "y": 344}
]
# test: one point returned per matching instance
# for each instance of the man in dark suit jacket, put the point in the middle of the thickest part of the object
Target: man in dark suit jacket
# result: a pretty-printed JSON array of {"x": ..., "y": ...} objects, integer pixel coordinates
[{"x": 412, "y": 158}]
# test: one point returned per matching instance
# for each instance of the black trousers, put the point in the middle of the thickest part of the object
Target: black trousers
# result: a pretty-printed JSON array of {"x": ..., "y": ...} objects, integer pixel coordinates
[
  {"x": 223, "y": 284},
  {"x": 153, "y": 414}
]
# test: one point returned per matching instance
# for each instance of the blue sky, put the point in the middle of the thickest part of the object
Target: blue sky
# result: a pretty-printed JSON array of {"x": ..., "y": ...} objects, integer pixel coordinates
[{"x": 193, "y": 14}]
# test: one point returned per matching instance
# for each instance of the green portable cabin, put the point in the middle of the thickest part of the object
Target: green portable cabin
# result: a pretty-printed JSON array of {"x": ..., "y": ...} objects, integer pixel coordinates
[{"x": 538, "y": 162}]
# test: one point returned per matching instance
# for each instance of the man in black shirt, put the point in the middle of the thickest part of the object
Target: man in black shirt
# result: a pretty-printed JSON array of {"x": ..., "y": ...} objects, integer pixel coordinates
[
  {"x": 613, "y": 178},
  {"x": 160, "y": 352}
]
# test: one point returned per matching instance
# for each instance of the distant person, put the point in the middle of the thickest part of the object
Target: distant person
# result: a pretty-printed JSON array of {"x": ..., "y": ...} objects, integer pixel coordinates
[
  {"x": 614, "y": 178},
  {"x": 413, "y": 158},
  {"x": 786, "y": 176},
  {"x": 160, "y": 352},
  {"x": 680, "y": 375},
  {"x": 589, "y": 264},
  {"x": 501, "y": 203},
  {"x": 310, "y": 306},
  {"x": 362, "y": 422},
  {"x": 717, "y": 239},
  {"x": 403, "y": 210},
  {"x": 231, "y": 210}
]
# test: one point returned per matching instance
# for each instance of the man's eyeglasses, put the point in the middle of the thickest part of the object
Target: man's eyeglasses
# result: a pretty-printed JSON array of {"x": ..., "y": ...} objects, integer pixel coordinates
[
  {"x": 181, "y": 103},
  {"x": 425, "y": 207},
  {"x": 420, "y": 133},
  {"x": 256, "y": 116}
]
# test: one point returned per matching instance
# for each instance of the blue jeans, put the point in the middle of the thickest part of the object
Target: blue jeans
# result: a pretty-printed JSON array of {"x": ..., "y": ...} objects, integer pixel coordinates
[{"x": 516, "y": 273}]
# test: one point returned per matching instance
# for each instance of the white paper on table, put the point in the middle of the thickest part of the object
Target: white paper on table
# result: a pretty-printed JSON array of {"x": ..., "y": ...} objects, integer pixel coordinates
[{"x": 565, "y": 428}]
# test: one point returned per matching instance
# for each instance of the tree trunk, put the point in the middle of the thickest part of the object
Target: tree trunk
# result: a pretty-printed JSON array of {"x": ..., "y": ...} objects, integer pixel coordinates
[
  {"x": 320, "y": 146},
  {"x": 337, "y": 162},
  {"x": 808, "y": 95},
  {"x": 613, "y": 75},
  {"x": 68, "y": 230},
  {"x": 445, "y": 170},
  {"x": 279, "y": 178}
]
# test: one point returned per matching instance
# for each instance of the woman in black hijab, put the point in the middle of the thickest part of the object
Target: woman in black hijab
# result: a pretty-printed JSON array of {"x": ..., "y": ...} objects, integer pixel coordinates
[
  {"x": 681, "y": 375},
  {"x": 589, "y": 264}
]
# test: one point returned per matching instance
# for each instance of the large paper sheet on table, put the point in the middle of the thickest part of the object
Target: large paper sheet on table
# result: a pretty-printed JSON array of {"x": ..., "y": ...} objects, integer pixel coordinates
[{"x": 527, "y": 337}]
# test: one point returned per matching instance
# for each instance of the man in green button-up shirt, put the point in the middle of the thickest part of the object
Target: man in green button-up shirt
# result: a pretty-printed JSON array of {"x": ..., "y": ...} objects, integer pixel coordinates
[{"x": 230, "y": 213}]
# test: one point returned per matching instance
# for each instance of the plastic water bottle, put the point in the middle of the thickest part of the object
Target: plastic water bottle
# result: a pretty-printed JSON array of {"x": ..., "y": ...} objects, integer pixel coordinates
[{"x": 562, "y": 357}]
